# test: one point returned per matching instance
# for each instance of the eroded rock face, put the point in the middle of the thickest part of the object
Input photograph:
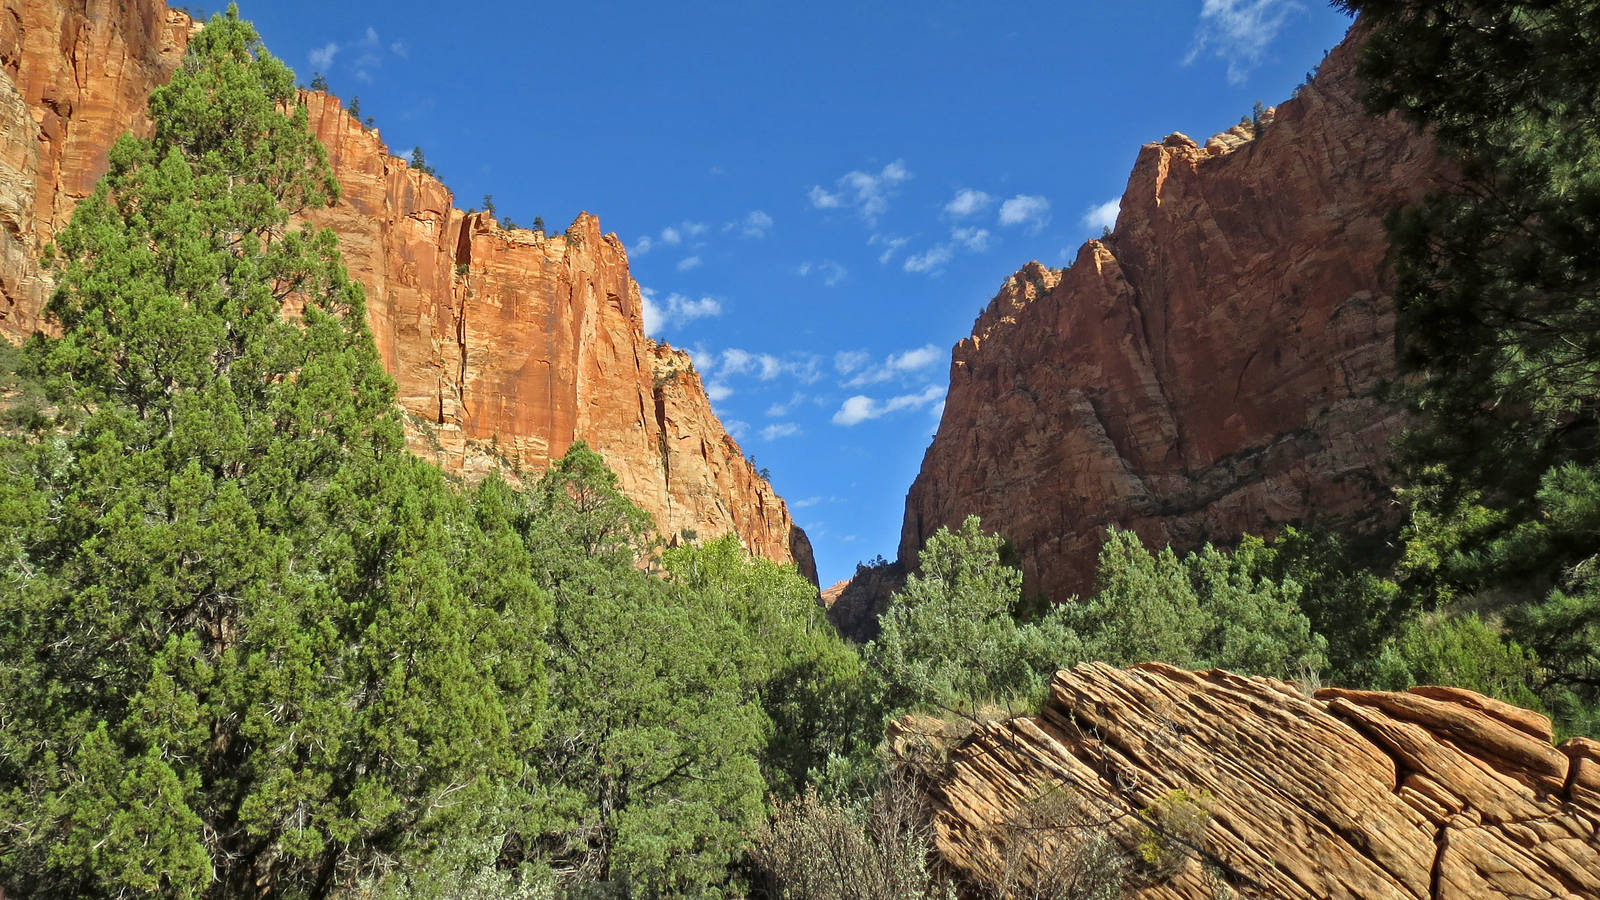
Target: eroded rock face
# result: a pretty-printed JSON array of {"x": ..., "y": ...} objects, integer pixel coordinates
[
  {"x": 1437, "y": 793},
  {"x": 507, "y": 346},
  {"x": 1208, "y": 369}
]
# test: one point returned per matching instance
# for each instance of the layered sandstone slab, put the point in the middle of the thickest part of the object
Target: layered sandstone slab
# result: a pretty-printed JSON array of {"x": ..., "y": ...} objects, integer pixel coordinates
[
  {"x": 1437, "y": 793},
  {"x": 1209, "y": 368},
  {"x": 507, "y": 345}
]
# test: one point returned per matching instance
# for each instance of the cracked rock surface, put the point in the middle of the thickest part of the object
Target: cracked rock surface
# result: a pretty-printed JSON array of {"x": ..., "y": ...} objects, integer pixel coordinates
[{"x": 1437, "y": 793}]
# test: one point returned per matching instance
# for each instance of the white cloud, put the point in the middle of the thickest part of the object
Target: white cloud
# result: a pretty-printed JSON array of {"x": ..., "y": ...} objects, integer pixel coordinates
[
  {"x": 1239, "y": 31},
  {"x": 779, "y": 410},
  {"x": 653, "y": 315},
  {"x": 718, "y": 392},
  {"x": 891, "y": 245},
  {"x": 399, "y": 48},
  {"x": 675, "y": 310},
  {"x": 821, "y": 199},
  {"x": 847, "y": 361},
  {"x": 671, "y": 235},
  {"x": 974, "y": 239},
  {"x": 967, "y": 202},
  {"x": 937, "y": 410},
  {"x": 688, "y": 263},
  {"x": 804, "y": 504},
  {"x": 868, "y": 193},
  {"x": 736, "y": 429},
  {"x": 860, "y": 408},
  {"x": 643, "y": 245},
  {"x": 829, "y": 271},
  {"x": 322, "y": 57},
  {"x": 894, "y": 366},
  {"x": 1103, "y": 216},
  {"x": 1026, "y": 209},
  {"x": 693, "y": 229},
  {"x": 754, "y": 225},
  {"x": 930, "y": 261},
  {"x": 767, "y": 367},
  {"x": 780, "y": 430},
  {"x": 371, "y": 40}
]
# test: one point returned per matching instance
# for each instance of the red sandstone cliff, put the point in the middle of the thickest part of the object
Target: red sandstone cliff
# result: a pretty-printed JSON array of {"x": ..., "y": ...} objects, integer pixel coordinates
[
  {"x": 1438, "y": 793},
  {"x": 1209, "y": 368},
  {"x": 507, "y": 346}
]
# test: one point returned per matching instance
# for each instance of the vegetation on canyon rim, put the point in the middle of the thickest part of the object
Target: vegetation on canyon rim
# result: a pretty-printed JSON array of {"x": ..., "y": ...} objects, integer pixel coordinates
[{"x": 249, "y": 646}]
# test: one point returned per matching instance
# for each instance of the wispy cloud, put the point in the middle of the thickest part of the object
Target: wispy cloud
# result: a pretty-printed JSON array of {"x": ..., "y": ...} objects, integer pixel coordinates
[
  {"x": 861, "y": 408},
  {"x": 779, "y": 410},
  {"x": 767, "y": 366},
  {"x": 829, "y": 271},
  {"x": 973, "y": 238},
  {"x": 1104, "y": 215},
  {"x": 867, "y": 193},
  {"x": 643, "y": 245},
  {"x": 931, "y": 260},
  {"x": 968, "y": 202},
  {"x": 1239, "y": 32},
  {"x": 1026, "y": 209},
  {"x": 322, "y": 57},
  {"x": 847, "y": 361},
  {"x": 779, "y": 430},
  {"x": 688, "y": 263},
  {"x": 896, "y": 365},
  {"x": 736, "y": 428},
  {"x": 754, "y": 225},
  {"x": 676, "y": 309},
  {"x": 891, "y": 245},
  {"x": 718, "y": 392}
]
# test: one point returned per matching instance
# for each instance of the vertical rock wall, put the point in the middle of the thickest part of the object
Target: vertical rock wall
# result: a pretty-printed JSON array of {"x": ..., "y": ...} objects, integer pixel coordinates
[
  {"x": 507, "y": 346},
  {"x": 1206, "y": 370}
]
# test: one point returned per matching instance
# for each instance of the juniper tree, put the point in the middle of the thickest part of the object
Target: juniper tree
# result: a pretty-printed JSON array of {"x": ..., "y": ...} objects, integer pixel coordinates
[{"x": 248, "y": 645}]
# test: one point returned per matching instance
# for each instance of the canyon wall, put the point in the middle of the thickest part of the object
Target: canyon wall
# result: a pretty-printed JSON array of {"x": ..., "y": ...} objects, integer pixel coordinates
[
  {"x": 506, "y": 345},
  {"x": 1434, "y": 794},
  {"x": 1207, "y": 369}
]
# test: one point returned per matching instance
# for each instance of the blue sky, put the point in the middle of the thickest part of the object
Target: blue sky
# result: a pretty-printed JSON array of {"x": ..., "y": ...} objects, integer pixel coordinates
[{"x": 818, "y": 198}]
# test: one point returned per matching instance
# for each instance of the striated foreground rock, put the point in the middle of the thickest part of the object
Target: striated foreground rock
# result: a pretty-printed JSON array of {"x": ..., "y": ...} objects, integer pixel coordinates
[
  {"x": 1208, "y": 369},
  {"x": 507, "y": 346},
  {"x": 1439, "y": 793}
]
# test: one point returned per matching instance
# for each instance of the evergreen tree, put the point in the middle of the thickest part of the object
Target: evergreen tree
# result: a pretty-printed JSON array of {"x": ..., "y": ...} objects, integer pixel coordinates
[
  {"x": 248, "y": 644},
  {"x": 1498, "y": 315},
  {"x": 950, "y": 638},
  {"x": 649, "y": 765}
]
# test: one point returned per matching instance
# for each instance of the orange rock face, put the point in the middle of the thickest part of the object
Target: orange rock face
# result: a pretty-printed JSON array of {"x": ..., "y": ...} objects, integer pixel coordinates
[
  {"x": 1438, "y": 793},
  {"x": 1209, "y": 368},
  {"x": 507, "y": 346}
]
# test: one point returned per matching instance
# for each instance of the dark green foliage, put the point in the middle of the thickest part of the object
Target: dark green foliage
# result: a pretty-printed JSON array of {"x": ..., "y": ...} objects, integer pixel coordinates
[
  {"x": 1498, "y": 321},
  {"x": 246, "y": 641},
  {"x": 1463, "y": 652},
  {"x": 950, "y": 638},
  {"x": 1207, "y": 609},
  {"x": 538, "y": 224},
  {"x": 488, "y": 204},
  {"x": 420, "y": 162},
  {"x": 355, "y": 107},
  {"x": 319, "y": 82}
]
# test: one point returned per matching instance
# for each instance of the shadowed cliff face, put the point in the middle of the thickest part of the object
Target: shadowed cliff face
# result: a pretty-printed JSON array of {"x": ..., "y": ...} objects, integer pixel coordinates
[
  {"x": 1436, "y": 793},
  {"x": 506, "y": 346},
  {"x": 1208, "y": 369}
]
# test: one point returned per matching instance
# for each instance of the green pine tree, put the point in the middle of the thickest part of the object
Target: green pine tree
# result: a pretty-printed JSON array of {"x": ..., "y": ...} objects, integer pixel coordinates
[{"x": 248, "y": 645}]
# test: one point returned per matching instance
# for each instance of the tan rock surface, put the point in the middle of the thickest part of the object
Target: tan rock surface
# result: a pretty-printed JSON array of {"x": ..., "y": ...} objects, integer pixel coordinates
[
  {"x": 1349, "y": 794},
  {"x": 1208, "y": 369},
  {"x": 507, "y": 346}
]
